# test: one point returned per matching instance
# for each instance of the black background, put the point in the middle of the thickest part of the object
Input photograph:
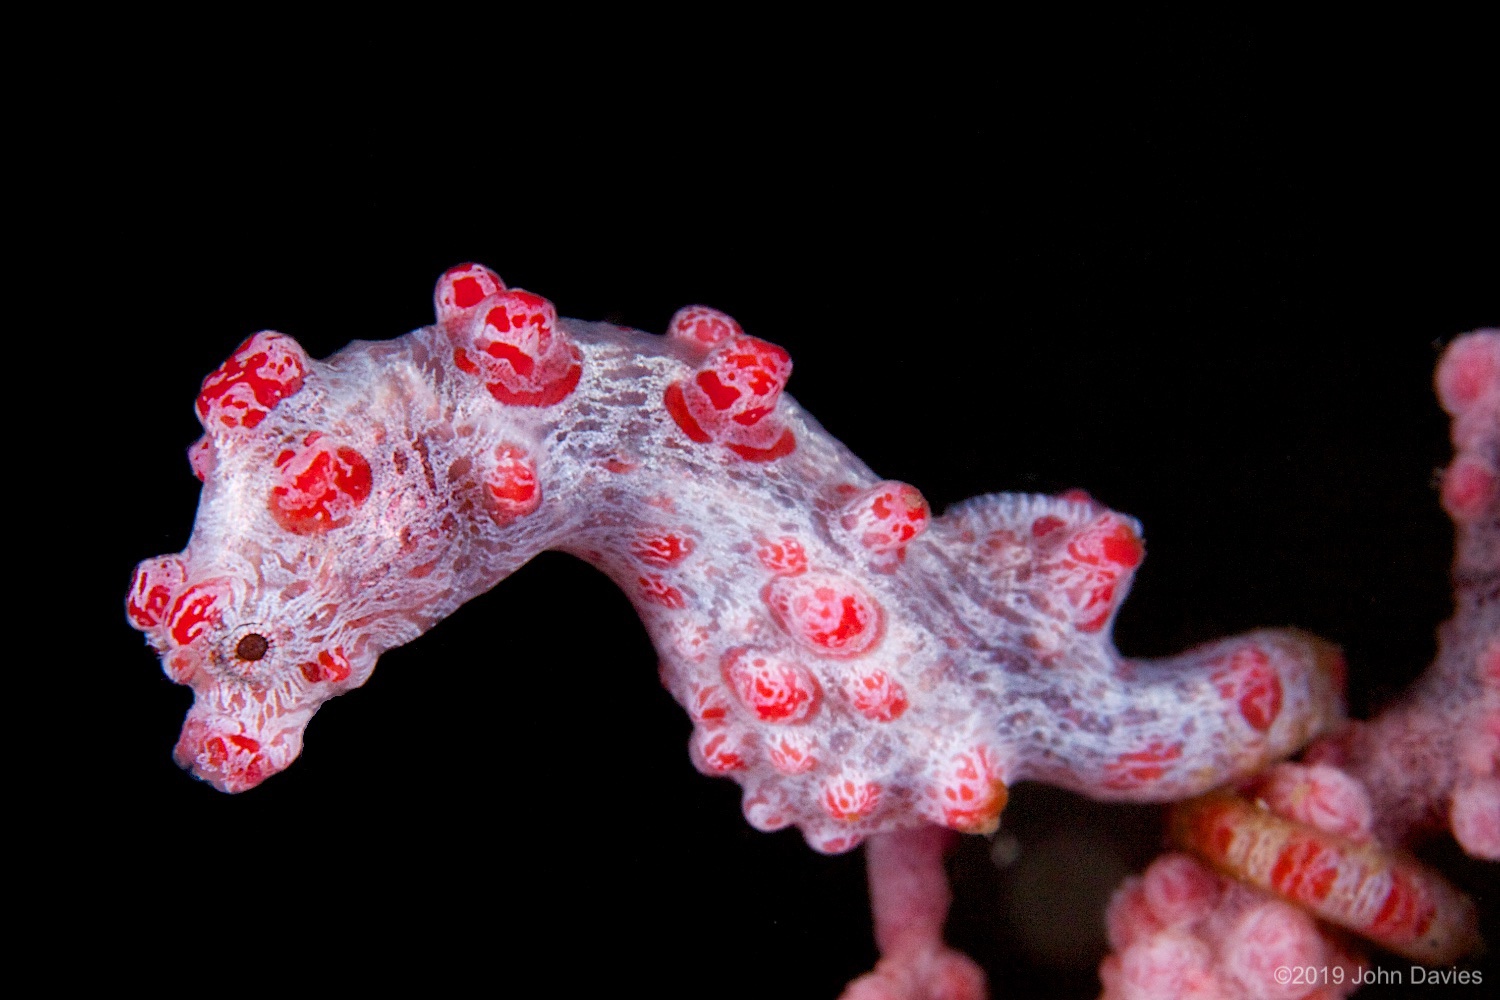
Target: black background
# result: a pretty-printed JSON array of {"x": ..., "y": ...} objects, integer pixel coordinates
[{"x": 1204, "y": 276}]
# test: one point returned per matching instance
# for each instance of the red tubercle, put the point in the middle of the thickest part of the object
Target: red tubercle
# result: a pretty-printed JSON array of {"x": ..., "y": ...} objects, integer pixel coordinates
[
  {"x": 827, "y": 614},
  {"x": 331, "y": 665},
  {"x": 1089, "y": 566},
  {"x": 266, "y": 369},
  {"x": 676, "y": 406},
  {"x": 784, "y": 555},
  {"x": 152, "y": 587},
  {"x": 215, "y": 751},
  {"x": 335, "y": 664},
  {"x": 233, "y": 761},
  {"x": 731, "y": 399},
  {"x": 320, "y": 486},
  {"x": 181, "y": 665},
  {"x": 702, "y": 327},
  {"x": 245, "y": 743},
  {"x": 826, "y": 844},
  {"x": 653, "y": 588},
  {"x": 722, "y": 396},
  {"x": 1248, "y": 678},
  {"x": 1046, "y": 525},
  {"x": 469, "y": 291},
  {"x": 792, "y": 751},
  {"x": 510, "y": 485},
  {"x": 972, "y": 794},
  {"x": 708, "y": 705},
  {"x": 767, "y": 806},
  {"x": 518, "y": 329},
  {"x": 196, "y": 610},
  {"x": 512, "y": 342},
  {"x": 756, "y": 368},
  {"x": 1098, "y": 605},
  {"x": 219, "y": 750},
  {"x": 885, "y": 517},
  {"x": 1136, "y": 769},
  {"x": 773, "y": 687},
  {"x": 1109, "y": 543},
  {"x": 620, "y": 465},
  {"x": 550, "y": 394},
  {"x": 849, "y": 798},
  {"x": 662, "y": 549},
  {"x": 202, "y": 458},
  {"x": 1260, "y": 703},
  {"x": 875, "y": 695},
  {"x": 783, "y": 446},
  {"x": 720, "y": 752},
  {"x": 462, "y": 288}
]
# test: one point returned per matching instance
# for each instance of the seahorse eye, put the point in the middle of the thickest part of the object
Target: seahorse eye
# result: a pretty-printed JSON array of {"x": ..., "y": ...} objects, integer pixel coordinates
[{"x": 252, "y": 646}]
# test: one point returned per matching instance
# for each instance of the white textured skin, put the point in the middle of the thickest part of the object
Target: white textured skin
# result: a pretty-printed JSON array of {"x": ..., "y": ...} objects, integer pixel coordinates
[{"x": 994, "y": 670}]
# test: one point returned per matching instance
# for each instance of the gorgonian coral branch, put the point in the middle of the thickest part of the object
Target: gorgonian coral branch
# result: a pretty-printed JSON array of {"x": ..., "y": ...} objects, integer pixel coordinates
[{"x": 1326, "y": 837}]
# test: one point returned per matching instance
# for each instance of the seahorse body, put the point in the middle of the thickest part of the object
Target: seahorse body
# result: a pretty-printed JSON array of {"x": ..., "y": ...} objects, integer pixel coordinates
[{"x": 856, "y": 664}]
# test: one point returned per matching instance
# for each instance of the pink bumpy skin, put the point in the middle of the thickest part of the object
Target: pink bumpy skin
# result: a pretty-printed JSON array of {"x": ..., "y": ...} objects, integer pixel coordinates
[
  {"x": 860, "y": 667},
  {"x": 855, "y": 663}
]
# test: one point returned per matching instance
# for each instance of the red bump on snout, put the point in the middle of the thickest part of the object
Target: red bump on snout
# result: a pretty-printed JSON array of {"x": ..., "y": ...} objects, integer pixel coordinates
[
  {"x": 320, "y": 487},
  {"x": 152, "y": 588}
]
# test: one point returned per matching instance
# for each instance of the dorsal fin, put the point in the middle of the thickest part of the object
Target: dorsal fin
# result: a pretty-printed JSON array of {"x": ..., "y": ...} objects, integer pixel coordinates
[
  {"x": 1067, "y": 557},
  {"x": 998, "y": 511}
]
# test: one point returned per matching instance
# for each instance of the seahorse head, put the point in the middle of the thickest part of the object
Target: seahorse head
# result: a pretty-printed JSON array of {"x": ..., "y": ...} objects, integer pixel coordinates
[
  {"x": 348, "y": 504},
  {"x": 273, "y": 606}
]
